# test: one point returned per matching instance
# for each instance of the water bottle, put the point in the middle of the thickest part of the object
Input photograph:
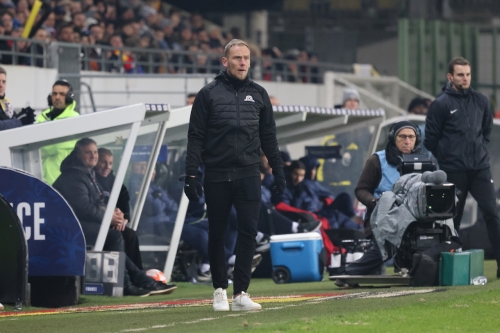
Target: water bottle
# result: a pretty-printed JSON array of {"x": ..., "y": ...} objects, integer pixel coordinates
[
  {"x": 335, "y": 259},
  {"x": 479, "y": 280}
]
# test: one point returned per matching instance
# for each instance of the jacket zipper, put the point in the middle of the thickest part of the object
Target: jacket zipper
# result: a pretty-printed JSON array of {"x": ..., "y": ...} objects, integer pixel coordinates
[
  {"x": 470, "y": 127},
  {"x": 237, "y": 129}
]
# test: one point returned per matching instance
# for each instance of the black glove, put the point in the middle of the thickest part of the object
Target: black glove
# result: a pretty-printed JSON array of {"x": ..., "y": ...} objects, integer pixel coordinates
[
  {"x": 26, "y": 116},
  {"x": 193, "y": 188},
  {"x": 279, "y": 181},
  {"x": 156, "y": 194}
]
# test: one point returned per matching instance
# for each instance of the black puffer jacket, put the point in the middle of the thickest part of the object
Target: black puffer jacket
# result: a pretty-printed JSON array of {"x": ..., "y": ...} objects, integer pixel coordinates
[
  {"x": 457, "y": 129},
  {"x": 230, "y": 121},
  {"x": 76, "y": 184}
]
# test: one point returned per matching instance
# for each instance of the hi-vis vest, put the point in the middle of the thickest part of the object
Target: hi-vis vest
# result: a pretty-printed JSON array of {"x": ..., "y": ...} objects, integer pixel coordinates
[{"x": 390, "y": 175}]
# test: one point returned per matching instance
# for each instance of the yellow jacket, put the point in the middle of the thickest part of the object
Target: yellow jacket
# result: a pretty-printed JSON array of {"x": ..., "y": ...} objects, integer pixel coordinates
[{"x": 53, "y": 155}]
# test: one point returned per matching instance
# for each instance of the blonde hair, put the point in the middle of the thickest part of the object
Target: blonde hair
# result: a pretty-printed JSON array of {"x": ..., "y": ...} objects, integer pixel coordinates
[{"x": 232, "y": 43}]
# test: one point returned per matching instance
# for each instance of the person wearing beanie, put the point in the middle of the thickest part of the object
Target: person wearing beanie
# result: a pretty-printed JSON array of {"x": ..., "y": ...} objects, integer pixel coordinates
[
  {"x": 350, "y": 99},
  {"x": 380, "y": 171}
]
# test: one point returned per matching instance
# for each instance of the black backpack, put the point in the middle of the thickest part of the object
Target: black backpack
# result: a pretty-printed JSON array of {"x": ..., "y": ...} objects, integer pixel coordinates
[{"x": 425, "y": 265}]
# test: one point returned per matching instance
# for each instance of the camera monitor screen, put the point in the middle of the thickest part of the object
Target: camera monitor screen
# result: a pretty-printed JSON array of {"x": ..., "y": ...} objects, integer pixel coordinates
[{"x": 415, "y": 163}]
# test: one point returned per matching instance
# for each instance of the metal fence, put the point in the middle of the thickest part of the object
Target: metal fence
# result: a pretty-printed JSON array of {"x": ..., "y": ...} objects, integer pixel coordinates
[
  {"x": 101, "y": 58},
  {"x": 27, "y": 52},
  {"x": 151, "y": 61}
]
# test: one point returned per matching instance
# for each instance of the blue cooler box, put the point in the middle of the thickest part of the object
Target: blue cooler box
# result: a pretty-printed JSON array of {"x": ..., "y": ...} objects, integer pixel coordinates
[{"x": 296, "y": 257}]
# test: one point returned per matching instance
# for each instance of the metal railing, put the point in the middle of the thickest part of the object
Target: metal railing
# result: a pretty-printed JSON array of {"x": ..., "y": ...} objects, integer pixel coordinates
[
  {"x": 150, "y": 61},
  {"x": 27, "y": 52},
  {"x": 102, "y": 58}
]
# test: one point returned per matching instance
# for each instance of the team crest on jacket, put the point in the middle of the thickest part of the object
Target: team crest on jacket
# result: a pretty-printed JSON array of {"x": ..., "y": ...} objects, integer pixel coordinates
[{"x": 249, "y": 99}]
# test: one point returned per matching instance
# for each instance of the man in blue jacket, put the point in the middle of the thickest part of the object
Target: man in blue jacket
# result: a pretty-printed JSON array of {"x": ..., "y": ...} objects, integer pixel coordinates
[{"x": 458, "y": 127}]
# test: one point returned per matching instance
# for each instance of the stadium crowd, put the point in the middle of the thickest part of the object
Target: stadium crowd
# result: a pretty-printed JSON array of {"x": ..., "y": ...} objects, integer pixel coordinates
[{"x": 134, "y": 36}]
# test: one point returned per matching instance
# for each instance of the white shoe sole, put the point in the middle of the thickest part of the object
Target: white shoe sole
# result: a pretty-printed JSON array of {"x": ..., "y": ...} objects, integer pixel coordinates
[
  {"x": 222, "y": 308},
  {"x": 238, "y": 308}
]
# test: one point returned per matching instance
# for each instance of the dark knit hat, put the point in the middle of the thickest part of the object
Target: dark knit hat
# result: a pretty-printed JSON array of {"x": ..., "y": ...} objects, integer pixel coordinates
[{"x": 400, "y": 125}]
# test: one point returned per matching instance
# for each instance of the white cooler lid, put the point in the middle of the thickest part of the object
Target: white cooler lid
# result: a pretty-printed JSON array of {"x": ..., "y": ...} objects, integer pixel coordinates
[{"x": 294, "y": 237}]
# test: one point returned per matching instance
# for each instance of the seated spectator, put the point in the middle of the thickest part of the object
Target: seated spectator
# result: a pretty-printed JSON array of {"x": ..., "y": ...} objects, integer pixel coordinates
[
  {"x": 215, "y": 38},
  {"x": 9, "y": 119},
  {"x": 285, "y": 157},
  {"x": 305, "y": 195},
  {"x": 78, "y": 185},
  {"x": 6, "y": 107},
  {"x": 350, "y": 99},
  {"x": 190, "y": 98},
  {"x": 149, "y": 61},
  {"x": 49, "y": 24},
  {"x": 314, "y": 70},
  {"x": 321, "y": 196},
  {"x": 39, "y": 50},
  {"x": 79, "y": 22},
  {"x": 273, "y": 222},
  {"x": 8, "y": 23},
  {"x": 304, "y": 70},
  {"x": 159, "y": 211},
  {"x": 419, "y": 105},
  {"x": 106, "y": 178},
  {"x": 65, "y": 33},
  {"x": 119, "y": 60}
]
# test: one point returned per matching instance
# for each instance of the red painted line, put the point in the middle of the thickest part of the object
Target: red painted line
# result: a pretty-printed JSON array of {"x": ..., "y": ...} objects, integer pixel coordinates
[{"x": 139, "y": 306}]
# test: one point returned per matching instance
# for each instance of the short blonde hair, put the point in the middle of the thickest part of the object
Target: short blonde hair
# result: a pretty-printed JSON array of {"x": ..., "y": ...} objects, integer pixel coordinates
[{"x": 232, "y": 43}]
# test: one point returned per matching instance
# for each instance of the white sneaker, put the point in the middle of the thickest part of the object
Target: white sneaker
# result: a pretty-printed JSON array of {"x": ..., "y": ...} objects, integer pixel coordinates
[
  {"x": 220, "y": 300},
  {"x": 244, "y": 303}
]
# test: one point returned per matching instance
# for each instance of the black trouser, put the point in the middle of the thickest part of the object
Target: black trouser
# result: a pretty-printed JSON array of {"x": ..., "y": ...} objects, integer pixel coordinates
[
  {"x": 480, "y": 184},
  {"x": 132, "y": 246},
  {"x": 245, "y": 195},
  {"x": 280, "y": 223},
  {"x": 114, "y": 238}
]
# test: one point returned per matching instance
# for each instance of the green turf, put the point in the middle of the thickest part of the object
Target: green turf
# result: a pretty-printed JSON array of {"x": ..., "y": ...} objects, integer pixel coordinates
[{"x": 456, "y": 309}]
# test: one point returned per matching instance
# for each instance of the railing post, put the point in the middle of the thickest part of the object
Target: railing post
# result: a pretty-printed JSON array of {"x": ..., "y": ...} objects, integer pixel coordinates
[
  {"x": 420, "y": 53},
  {"x": 494, "y": 63},
  {"x": 473, "y": 49},
  {"x": 450, "y": 36},
  {"x": 435, "y": 57},
  {"x": 403, "y": 52}
]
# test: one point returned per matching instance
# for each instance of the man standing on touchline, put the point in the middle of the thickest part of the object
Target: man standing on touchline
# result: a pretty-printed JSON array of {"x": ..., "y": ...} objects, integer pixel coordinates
[
  {"x": 457, "y": 129},
  {"x": 231, "y": 120}
]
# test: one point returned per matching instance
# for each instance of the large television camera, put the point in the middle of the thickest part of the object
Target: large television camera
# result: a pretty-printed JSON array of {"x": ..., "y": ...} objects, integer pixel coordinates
[
  {"x": 436, "y": 198},
  {"x": 432, "y": 203}
]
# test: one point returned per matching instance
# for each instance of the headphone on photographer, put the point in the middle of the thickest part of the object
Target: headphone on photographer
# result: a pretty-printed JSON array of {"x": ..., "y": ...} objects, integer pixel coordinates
[
  {"x": 70, "y": 96},
  {"x": 392, "y": 132}
]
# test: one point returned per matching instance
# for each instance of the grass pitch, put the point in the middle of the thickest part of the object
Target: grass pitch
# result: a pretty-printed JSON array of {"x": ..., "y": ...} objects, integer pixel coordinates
[{"x": 435, "y": 309}]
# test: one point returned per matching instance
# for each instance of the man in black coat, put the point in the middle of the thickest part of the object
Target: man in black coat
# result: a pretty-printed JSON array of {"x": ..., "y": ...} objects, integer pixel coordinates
[
  {"x": 106, "y": 179},
  {"x": 78, "y": 185},
  {"x": 457, "y": 129},
  {"x": 231, "y": 119}
]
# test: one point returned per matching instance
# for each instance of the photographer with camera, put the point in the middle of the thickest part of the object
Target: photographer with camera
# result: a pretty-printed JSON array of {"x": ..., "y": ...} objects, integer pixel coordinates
[
  {"x": 61, "y": 105},
  {"x": 8, "y": 118},
  {"x": 379, "y": 175},
  {"x": 381, "y": 169},
  {"x": 458, "y": 127}
]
